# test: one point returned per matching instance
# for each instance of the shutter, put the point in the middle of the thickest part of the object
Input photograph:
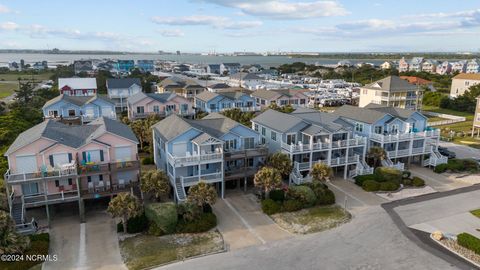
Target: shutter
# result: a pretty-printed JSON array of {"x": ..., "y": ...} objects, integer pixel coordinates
[
  {"x": 51, "y": 160},
  {"x": 84, "y": 156},
  {"x": 70, "y": 157},
  {"x": 101, "y": 155}
]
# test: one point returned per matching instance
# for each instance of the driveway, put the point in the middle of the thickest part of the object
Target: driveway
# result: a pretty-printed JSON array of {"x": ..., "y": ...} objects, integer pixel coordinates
[
  {"x": 90, "y": 245},
  {"x": 242, "y": 222},
  {"x": 462, "y": 151},
  {"x": 439, "y": 182},
  {"x": 352, "y": 196}
]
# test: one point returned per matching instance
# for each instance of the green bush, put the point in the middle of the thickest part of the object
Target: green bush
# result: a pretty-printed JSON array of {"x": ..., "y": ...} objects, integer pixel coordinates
[
  {"x": 389, "y": 186},
  {"x": 469, "y": 241},
  {"x": 407, "y": 182},
  {"x": 418, "y": 182},
  {"x": 406, "y": 174},
  {"x": 154, "y": 229},
  {"x": 470, "y": 165},
  {"x": 39, "y": 245},
  {"x": 135, "y": 224},
  {"x": 456, "y": 165},
  {"x": 362, "y": 178},
  {"x": 291, "y": 206},
  {"x": 441, "y": 168},
  {"x": 205, "y": 222},
  {"x": 270, "y": 207},
  {"x": 148, "y": 161},
  {"x": 328, "y": 197},
  {"x": 164, "y": 215},
  {"x": 371, "y": 185},
  {"x": 304, "y": 194},
  {"x": 277, "y": 195},
  {"x": 387, "y": 174}
]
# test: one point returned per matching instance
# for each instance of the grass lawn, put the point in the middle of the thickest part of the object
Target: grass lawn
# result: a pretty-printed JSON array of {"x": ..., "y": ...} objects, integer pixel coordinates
[
  {"x": 6, "y": 89},
  {"x": 447, "y": 111},
  {"x": 314, "y": 219},
  {"x": 14, "y": 77},
  {"x": 144, "y": 251},
  {"x": 39, "y": 244},
  {"x": 476, "y": 212}
]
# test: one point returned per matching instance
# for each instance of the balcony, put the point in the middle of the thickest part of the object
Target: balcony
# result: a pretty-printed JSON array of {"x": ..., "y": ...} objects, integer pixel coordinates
[
  {"x": 93, "y": 169},
  {"x": 300, "y": 147},
  {"x": 63, "y": 171},
  {"x": 410, "y": 152},
  {"x": 208, "y": 178},
  {"x": 50, "y": 198},
  {"x": 239, "y": 172},
  {"x": 257, "y": 150},
  {"x": 124, "y": 165},
  {"x": 107, "y": 188},
  {"x": 195, "y": 159},
  {"x": 386, "y": 138}
]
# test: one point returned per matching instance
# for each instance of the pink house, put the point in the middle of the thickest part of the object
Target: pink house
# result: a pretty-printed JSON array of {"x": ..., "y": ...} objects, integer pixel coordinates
[
  {"x": 280, "y": 97},
  {"x": 141, "y": 105},
  {"x": 54, "y": 163}
]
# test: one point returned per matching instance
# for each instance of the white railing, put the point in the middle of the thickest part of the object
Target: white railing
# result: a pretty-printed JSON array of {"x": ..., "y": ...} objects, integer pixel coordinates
[
  {"x": 11, "y": 198},
  {"x": 449, "y": 119},
  {"x": 30, "y": 200},
  {"x": 176, "y": 160},
  {"x": 69, "y": 169},
  {"x": 23, "y": 209},
  {"x": 209, "y": 178},
  {"x": 405, "y": 136},
  {"x": 300, "y": 147}
]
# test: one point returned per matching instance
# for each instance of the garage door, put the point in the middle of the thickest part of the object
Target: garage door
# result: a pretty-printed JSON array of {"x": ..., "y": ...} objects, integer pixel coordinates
[
  {"x": 179, "y": 149},
  {"x": 26, "y": 164},
  {"x": 123, "y": 153}
]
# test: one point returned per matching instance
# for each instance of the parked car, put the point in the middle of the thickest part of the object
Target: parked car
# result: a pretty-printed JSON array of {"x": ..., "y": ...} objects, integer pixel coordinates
[{"x": 445, "y": 152}]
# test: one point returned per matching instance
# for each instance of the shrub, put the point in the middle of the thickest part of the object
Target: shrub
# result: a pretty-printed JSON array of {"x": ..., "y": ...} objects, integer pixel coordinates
[
  {"x": 407, "y": 182},
  {"x": 135, "y": 224},
  {"x": 205, "y": 222},
  {"x": 470, "y": 165},
  {"x": 147, "y": 161},
  {"x": 469, "y": 241},
  {"x": 154, "y": 229},
  {"x": 371, "y": 185},
  {"x": 362, "y": 178},
  {"x": 418, "y": 182},
  {"x": 387, "y": 174},
  {"x": 328, "y": 197},
  {"x": 406, "y": 174},
  {"x": 291, "y": 206},
  {"x": 304, "y": 194},
  {"x": 441, "y": 168},
  {"x": 270, "y": 207},
  {"x": 389, "y": 186},
  {"x": 456, "y": 165},
  {"x": 277, "y": 195},
  {"x": 164, "y": 215}
]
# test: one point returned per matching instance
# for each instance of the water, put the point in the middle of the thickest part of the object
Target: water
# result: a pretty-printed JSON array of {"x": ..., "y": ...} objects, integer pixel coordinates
[{"x": 266, "y": 61}]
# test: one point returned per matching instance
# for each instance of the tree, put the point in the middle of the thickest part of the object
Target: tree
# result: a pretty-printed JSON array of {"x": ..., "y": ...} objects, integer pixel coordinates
[
  {"x": 267, "y": 178},
  {"x": 143, "y": 129},
  {"x": 124, "y": 206},
  {"x": 281, "y": 162},
  {"x": 321, "y": 172},
  {"x": 202, "y": 194},
  {"x": 24, "y": 93},
  {"x": 377, "y": 154},
  {"x": 155, "y": 182},
  {"x": 10, "y": 241}
]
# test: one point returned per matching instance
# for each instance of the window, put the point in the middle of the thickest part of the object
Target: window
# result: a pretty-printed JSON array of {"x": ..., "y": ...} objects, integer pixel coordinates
[
  {"x": 53, "y": 113},
  {"x": 140, "y": 109},
  {"x": 291, "y": 138},
  {"x": 184, "y": 107},
  {"x": 249, "y": 162},
  {"x": 262, "y": 102},
  {"x": 378, "y": 129},
  {"x": 263, "y": 131},
  {"x": 70, "y": 181},
  {"x": 156, "y": 109},
  {"x": 71, "y": 112},
  {"x": 100, "y": 177},
  {"x": 302, "y": 101},
  {"x": 170, "y": 108},
  {"x": 394, "y": 129},
  {"x": 273, "y": 135},
  {"x": 283, "y": 102},
  {"x": 248, "y": 143},
  {"x": 263, "y": 140},
  {"x": 255, "y": 127},
  {"x": 89, "y": 179},
  {"x": 230, "y": 144},
  {"x": 57, "y": 183},
  {"x": 213, "y": 107},
  {"x": 359, "y": 127}
]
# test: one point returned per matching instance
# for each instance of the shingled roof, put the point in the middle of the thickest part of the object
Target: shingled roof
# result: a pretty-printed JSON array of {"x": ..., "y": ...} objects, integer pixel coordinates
[
  {"x": 123, "y": 82},
  {"x": 77, "y": 100},
  {"x": 391, "y": 84}
]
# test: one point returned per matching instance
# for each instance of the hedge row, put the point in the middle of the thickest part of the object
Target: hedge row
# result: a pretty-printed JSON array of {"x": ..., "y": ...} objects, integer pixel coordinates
[
  {"x": 135, "y": 224},
  {"x": 387, "y": 179},
  {"x": 458, "y": 165},
  {"x": 469, "y": 241}
]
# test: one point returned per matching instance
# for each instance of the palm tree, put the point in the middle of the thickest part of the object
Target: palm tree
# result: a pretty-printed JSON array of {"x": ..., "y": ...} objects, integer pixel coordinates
[
  {"x": 124, "y": 206},
  {"x": 377, "y": 154},
  {"x": 321, "y": 172},
  {"x": 202, "y": 194},
  {"x": 10, "y": 241},
  {"x": 155, "y": 182},
  {"x": 267, "y": 178},
  {"x": 281, "y": 162}
]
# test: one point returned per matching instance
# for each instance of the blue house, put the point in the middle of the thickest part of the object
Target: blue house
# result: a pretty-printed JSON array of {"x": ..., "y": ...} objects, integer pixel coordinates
[
  {"x": 214, "y": 149},
  {"x": 224, "y": 100},
  {"x": 82, "y": 108},
  {"x": 146, "y": 65},
  {"x": 124, "y": 65}
]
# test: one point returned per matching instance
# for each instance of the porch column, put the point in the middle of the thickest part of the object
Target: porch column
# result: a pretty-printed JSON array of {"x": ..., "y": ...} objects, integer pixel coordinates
[
  {"x": 223, "y": 180},
  {"x": 45, "y": 191},
  {"x": 311, "y": 152},
  {"x": 345, "y": 173},
  {"x": 81, "y": 205}
]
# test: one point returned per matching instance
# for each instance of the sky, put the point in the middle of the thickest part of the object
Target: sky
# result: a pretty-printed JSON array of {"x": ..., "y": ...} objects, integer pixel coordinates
[{"x": 242, "y": 25}]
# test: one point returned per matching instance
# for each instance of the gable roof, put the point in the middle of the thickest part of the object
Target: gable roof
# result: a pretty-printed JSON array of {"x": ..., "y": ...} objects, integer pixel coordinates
[
  {"x": 416, "y": 80},
  {"x": 123, "y": 82},
  {"x": 276, "y": 93},
  {"x": 391, "y": 84},
  {"x": 171, "y": 127},
  {"x": 77, "y": 100},
  {"x": 359, "y": 114},
  {"x": 278, "y": 121},
  {"x": 244, "y": 76},
  {"x": 72, "y": 136},
  {"x": 161, "y": 97},
  {"x": 176, "y": 81},
  {"x": 78, "y": 83},
  {"x": 403, "y": 114},
  {"x": 468, "y": 76},
  {"x": 206, "y": 96}
]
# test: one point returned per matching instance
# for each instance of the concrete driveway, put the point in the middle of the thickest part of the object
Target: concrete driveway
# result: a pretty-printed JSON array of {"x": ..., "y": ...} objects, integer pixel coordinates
[
  {"x": 462, "y": 151},
  {"x": 242, "y": 222},
  {"x": 437, "y": 181},
  {"x": 90, "y": 245}
]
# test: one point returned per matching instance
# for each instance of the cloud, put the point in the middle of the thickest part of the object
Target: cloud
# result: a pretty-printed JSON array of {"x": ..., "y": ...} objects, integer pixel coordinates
[
  {"x": 8, "y": 26},
  {"x": 282, "y": 9},
  {"x": 4, "y": 9},
  {"x": 214, "y": 21},
  {"x": 171, "y": 33}
]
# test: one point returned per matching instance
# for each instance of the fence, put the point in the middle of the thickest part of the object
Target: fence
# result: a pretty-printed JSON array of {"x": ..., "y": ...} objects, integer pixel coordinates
[{"x": 450, "y": 119}]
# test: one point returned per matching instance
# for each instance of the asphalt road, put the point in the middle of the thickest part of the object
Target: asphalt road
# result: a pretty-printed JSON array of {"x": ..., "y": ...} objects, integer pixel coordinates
[{"x": 462, "y": 151}]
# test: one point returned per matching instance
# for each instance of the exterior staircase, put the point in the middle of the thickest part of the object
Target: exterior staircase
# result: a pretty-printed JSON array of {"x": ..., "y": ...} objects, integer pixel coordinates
[
  {"x": 17, "y": 212},
  {"x": 180, "y": 190},
  {"x": 387, "y": 162},
  {"x": 362, "y": 168},
  {"x": 435, "y": 159}
]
